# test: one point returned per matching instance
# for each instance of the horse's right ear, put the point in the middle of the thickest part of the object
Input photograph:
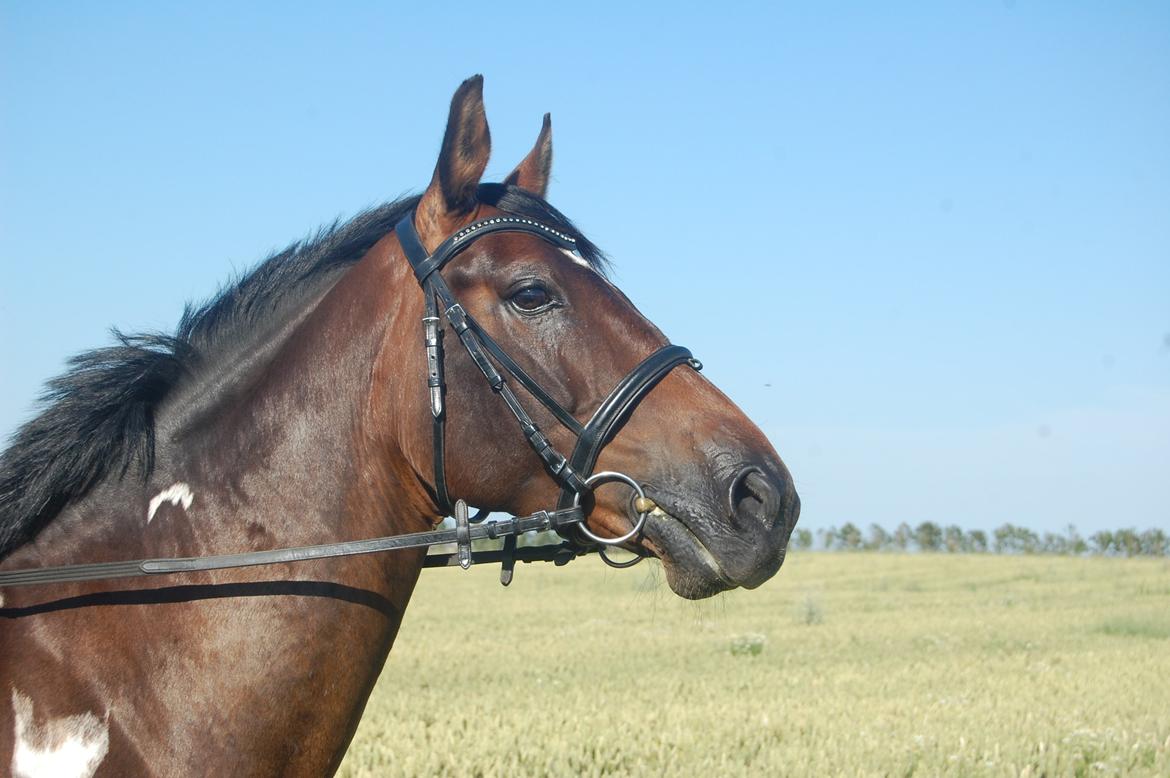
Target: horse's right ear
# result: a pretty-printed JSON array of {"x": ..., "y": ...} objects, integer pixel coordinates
[
  {"x": 464, "y": 156},
  {"x": 535, "y": 169}
]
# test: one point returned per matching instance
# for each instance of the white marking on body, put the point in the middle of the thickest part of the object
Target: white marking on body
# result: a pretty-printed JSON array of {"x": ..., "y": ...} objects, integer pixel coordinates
[
  {"x": 175, "y": 494},
  {"x": 68, "y": 747},
  {"x": 1, "y": 599}
]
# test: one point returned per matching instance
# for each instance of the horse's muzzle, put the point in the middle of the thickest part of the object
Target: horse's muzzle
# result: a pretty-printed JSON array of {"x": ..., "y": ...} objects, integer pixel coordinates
[{"x": 711, "y": 543}]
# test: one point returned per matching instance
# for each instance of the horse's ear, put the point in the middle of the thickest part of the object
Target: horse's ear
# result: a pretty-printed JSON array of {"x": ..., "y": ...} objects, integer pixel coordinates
[
  {"x": 534, "y": 170},
  {"x": 466, "y": 147}
]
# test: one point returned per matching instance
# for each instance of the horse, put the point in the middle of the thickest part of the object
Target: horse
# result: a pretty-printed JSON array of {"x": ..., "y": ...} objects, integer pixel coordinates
[{"x": 298, "y": 407}]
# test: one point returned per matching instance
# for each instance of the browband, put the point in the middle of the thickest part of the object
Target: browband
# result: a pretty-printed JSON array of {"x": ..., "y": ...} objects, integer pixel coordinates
[{"x": 425, "y": 265}]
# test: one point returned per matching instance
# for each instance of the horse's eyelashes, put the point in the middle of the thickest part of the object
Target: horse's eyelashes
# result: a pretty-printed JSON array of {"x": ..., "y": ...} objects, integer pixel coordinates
[{"x": 531, "y": 298}]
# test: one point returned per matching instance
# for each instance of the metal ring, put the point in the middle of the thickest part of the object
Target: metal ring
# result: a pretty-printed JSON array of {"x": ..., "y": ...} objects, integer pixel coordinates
[
  {"x": 605, "y": 477},
  {"x": 619, "y": 565}
]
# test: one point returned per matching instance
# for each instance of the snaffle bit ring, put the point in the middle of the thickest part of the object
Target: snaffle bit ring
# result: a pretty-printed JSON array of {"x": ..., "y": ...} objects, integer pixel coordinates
[{"x": 605, "y": 477}]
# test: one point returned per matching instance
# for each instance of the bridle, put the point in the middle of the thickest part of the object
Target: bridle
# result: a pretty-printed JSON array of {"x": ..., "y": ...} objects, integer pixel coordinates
[{"x": 574, "y": 473}]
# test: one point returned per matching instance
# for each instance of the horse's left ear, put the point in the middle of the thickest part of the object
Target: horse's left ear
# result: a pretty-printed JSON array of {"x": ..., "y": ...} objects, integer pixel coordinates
[
  {"x": 534, "y": 170},
  {"x": 464, "y": 156}
]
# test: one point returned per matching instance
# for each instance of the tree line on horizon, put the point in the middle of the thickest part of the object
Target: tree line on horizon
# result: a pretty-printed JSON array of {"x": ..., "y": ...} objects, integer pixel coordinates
[{"x": 1006, "y": 539}]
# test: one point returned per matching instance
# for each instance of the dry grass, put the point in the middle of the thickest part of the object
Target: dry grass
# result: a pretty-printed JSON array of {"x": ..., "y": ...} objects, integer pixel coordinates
[{"x": 845, "y": 664}]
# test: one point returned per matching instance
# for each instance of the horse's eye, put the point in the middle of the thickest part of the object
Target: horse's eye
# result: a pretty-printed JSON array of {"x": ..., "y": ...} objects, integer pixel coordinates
[{"x": 531, "y": 298}]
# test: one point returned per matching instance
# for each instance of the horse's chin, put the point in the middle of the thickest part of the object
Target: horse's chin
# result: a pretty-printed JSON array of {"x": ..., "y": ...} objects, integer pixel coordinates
[{"x": 692, "y": 571}]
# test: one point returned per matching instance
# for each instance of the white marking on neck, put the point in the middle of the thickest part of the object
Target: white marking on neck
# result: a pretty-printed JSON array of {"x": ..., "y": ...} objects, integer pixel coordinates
[
  {"x": 68, "y": 747},
  {"x": 175, "y": 494}
]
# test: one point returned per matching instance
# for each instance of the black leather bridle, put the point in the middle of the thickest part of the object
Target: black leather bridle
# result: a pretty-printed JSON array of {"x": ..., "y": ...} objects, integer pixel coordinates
[{"x": 573, "y": 473}]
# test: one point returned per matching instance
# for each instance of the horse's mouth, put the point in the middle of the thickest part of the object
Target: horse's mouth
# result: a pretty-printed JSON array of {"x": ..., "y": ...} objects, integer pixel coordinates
[{"x": 692, "y": 571}]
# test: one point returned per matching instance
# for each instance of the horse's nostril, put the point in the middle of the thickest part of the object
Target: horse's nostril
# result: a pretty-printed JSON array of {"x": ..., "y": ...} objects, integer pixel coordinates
[{"x": 754, "y": 498}]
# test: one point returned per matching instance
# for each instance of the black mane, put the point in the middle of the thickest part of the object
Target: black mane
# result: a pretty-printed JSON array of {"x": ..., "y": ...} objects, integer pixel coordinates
[{"x": 97, "y": 419}]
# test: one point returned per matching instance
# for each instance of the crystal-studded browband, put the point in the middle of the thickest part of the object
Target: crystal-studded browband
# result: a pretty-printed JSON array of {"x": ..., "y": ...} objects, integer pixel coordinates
[
  {"x": 478, "y": 225},
  {"x": 425, "y": 265}
]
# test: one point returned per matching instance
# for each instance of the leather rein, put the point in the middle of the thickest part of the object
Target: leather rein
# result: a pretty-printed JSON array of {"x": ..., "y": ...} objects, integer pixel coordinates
[{"x": 574, "y": 473}]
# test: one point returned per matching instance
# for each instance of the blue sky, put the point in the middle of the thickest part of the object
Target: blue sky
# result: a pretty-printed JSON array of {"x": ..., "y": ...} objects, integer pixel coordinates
[{"x": 925, "y": 246}]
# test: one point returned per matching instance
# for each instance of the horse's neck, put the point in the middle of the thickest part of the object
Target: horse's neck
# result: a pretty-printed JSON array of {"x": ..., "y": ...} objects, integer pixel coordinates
[
  {"x": 281, "y": 440},
  {"x": 275, "y": 455},
  {"x": 294, "y": 461}
]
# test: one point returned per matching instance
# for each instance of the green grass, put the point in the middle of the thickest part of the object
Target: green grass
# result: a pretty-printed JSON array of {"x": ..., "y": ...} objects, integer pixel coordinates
[
  {"x": 1157, "y": 628},
  {"x": 844, "y": 664}
]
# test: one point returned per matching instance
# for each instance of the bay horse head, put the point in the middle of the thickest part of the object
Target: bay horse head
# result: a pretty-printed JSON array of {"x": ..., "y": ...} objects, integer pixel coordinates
[
  {"x": 724, "y": 502},
  {"x": 303, "y": 406}
]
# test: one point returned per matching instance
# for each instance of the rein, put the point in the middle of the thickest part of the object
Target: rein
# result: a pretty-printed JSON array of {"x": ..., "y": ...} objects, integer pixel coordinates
[
  {"x": 574, "y": 474},
  {"x": 463, "y": 535}
]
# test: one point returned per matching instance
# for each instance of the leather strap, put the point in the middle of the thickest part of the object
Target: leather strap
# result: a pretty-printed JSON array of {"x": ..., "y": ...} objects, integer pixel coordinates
[
  {"x": 569, "y": 472},
  {"x": 435, "y": 288},
  {"x": 528, "y": 382},
  {"x": 620, "y": 403},
  {"x": 433, "y": 338},
  {"x": 425, "y": 265},
  {"x": 536, "y": 522}
]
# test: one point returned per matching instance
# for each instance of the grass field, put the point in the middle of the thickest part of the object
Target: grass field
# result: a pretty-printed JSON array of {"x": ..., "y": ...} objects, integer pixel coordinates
[{"x": 844, "y": 664}]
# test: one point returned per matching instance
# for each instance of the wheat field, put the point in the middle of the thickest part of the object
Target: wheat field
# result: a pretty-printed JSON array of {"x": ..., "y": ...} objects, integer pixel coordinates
[{"x": 844, "y": 664}]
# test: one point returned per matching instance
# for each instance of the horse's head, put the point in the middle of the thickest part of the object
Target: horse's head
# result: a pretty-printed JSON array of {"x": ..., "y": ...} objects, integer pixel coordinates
[{"x": 726, "y": 502}]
